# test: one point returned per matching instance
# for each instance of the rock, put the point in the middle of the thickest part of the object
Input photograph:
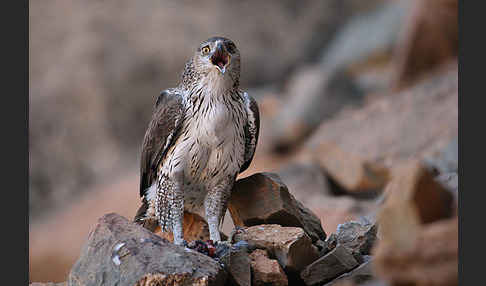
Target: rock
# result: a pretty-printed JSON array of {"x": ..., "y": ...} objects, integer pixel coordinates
[
  {"x": 429, "y": 32},
  {"x": 239, "y": 269},
  {"x": 351, "y": 172},
  {"x": 290, "y": 245},
  {"x": 333, "y": 264},
  {"x": 119, "y": 252},
  {"x": 451, "y": 182},
  {"x": 418, "y": 237},
  {"x": 305, "y": 181},
  {"x": 431, "y": 259},
  {"x": 408, "y": 200},
  {"x": 445, "y": 160},
  {"x": 263, "y": 198},
  {"x": 413, "y": 123},
  {"x": 358, "y": 238},
  {"x": 359, "y": 275},
  {"x": 316, "y": 93},
  {"x": 266, "y": 271},
  {"x": 325, "y": 246}
]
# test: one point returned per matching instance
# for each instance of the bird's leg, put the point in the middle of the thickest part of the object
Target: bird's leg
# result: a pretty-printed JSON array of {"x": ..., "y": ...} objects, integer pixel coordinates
[
  {"x": 215, "y": 205},
  {"x": 177, "y": 211}
]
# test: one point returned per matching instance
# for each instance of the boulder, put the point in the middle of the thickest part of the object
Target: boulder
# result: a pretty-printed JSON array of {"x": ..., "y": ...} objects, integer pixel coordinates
[
  {"x": 358, "y": 238},
  {"x": 290, "y": 245},
  {"x": 430, "y": 32},
  {"x": 418, "y": 236},
  {"x": 263, "y": 198},
  {"x": 328, "y": 267},
  {"x": 413, "y": 123},
  {"x": 431, "y": 260},
  {"x": 266, "y": 271},
  {"x": 351, "y": 172},
  {"x": 238, "y": 268},
  {"x": 359, "y": 275},
  {"x": 306, "y": 181},
  {"x": 119, "y": 252}
]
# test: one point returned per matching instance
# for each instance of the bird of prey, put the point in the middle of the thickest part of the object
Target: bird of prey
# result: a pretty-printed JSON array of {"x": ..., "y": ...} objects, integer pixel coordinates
[{"x": 202, "y": 134}]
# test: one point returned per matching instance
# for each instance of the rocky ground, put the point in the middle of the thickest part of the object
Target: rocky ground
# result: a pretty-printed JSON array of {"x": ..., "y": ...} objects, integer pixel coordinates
[{"x": 354, "y": 182}]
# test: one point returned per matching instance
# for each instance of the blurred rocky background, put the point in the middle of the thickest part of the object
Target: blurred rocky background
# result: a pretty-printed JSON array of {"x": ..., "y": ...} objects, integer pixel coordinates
[{"x": 349, "y": 91}]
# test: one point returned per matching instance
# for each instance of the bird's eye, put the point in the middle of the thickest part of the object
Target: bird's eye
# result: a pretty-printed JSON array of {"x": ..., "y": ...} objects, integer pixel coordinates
[
  {"x": 231, "y": 48},
  {"x": 205, "y": 49}
]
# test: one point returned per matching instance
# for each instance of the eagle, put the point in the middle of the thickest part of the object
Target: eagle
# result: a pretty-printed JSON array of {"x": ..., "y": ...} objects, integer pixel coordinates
[{"x": 202, "y": 134}]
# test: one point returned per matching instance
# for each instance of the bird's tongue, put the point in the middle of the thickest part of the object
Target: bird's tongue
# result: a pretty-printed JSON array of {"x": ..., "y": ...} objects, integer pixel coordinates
[{"x": 219, "y": 59}]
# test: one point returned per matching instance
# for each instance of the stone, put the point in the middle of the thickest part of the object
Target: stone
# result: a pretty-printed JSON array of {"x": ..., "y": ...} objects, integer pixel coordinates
[
  {"x": 430, "y": 32},
  {"x": 314, "y": 95},
  {"x": 239, "y": 268},
  {"x": 432, "y": 258},
  {"x": 328, "y": 267},
  {"x": 451, "y": 182},
  {"x": 408, "y": 204},
  {"x": 317, "y": 92},
  {"x": 390, "y": 129},
  {"x": 119, "y": 252},
  {"x": 305, "y": 181},
  {"x": 263, "y": 198},
  {"x": 290, "y": 245},
  {"x": 445, "y": 160},
  {"x": 418, "y": 230},
  {"x": 358, "y": 238},
  {"x": 359, "y": 275},
  {"x": 354, "y": 174},
  {"x": 266, "y": 271}
]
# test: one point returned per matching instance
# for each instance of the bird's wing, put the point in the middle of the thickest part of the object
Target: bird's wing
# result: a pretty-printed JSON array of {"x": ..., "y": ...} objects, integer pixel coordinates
[
  {"x": 252, "y": 129},
  {"x": 163, "y": 130}
]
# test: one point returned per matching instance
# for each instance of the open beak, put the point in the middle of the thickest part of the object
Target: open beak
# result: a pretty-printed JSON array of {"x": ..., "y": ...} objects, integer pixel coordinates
[{"x": 220, "y": 58}]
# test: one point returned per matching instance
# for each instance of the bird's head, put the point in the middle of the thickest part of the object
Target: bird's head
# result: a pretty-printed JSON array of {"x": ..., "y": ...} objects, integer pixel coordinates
[{"x": 218, "y": 57}]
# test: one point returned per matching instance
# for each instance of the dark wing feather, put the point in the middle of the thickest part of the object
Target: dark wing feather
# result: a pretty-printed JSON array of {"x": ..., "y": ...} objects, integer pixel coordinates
[
  {"x": 252, "y": 129},
  {"x": 163, "y": 131}
]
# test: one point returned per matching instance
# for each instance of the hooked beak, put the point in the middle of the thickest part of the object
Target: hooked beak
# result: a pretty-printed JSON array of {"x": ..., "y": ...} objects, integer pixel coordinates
[{"x": 220, "y": 58}]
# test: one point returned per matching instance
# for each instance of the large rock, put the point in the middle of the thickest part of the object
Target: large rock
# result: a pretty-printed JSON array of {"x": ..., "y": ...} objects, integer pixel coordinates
[
  {"x": 264, "y": 199},
  {"x": 290, "y": 245},
  {"x": 400, "y": 126},
  {"x": 359, "y": 275},
  {"x": 357, "y": 237},
  {"x": 353, "y": 173},
  {"x": 430, "y": 32},
  {"x": 266, "y": 271},
  {"x": 418, "y": 237},
  {"x": 328, "y": 267},
  {"x": 317, "y": 92},
  {"x": 408, "y": 200},
  {"x": 306, "y": 181},
  {"x": 239, "y": 268},
  {"x": 119, "y": 252},
  {"x": 432, "y": 258}
]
